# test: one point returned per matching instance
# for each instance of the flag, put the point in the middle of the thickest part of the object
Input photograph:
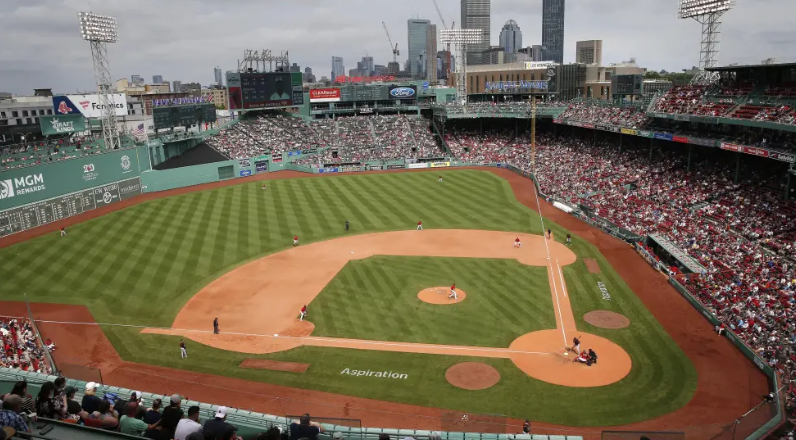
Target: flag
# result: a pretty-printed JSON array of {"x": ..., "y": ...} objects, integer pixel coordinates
[{"x": 139, "y": 132}]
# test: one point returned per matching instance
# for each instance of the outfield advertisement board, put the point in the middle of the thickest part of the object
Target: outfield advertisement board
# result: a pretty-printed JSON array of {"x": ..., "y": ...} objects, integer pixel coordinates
[
  {"x": 63, "y": 124},
  {"x": 47, "y": 211},
  {"x": 414, "y": 166},
  {"x": 440, "y": 164},
  {"x": 88, "y": 105},
  {"x": 325, "y": 95},
  {"x": 27, "y": 185}
]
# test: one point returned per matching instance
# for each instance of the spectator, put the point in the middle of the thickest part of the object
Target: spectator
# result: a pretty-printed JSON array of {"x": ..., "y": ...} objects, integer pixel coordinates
[
  {"x": 305, "y": 428},
  {"x": 91, "y": 403},
  {"x": 106, "y": 414},
  {"x": 131, "y": 422},
  {"x": 121, "y": 405},
  {"x": 273, "y": 433},
  {"x": 153, "y": 414},
  {"x": 9, "y": 415},
  {"x": 172, "y": 414},
  {"x": 21, "y": 389},
  {"x": 217, "y": 426},
  {"x": 47, "y": 405},
  {"x": 186, "y": 427},
  {"x": 384, "y": 436},
  {"x": 72, "y": 406}
]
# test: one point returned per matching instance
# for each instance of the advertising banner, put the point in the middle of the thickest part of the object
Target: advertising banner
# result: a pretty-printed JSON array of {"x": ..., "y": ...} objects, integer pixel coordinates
[
  {"x": 328, "y": 170},
  {"x": 754, "y": 151},
  {"x": 325, "y": 95},
  {"x": 350, "y": 168},
  {"x": 615, "y": 129},
  {"x": 530, "y": 65},
  {"x": 244, "y": 163},
  {"x": 87, "y": 105},
  {"x": 62, "y": 124},
  {"x": 629, "y": 131},
  {"x": 395, "y": 167},
  {"x": 276, "y": 157},
  {"x": 664, "y": 136},
  {"x": 375, "y": 167},
  {"x": 732, "y": 147},
  {"x": 440, "y": 164},
  {"x": 403, "y": 92},
  {"x": 587, "y": 125},
  {"x": 261, "y": 166},
  {"x": 681, "y": 139},
  {"x": 245, "y": 173},
  {"x": 703, "y": 142},
  {"x": 646, "y": 134},
  {"x": 414, "y": 166},
  {"x": 601, "y": 127},
  {"x": 784, "y": 157}
]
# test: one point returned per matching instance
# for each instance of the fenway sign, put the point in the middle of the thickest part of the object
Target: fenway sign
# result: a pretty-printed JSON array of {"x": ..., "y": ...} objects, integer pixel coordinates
[
  {"x": 324, "y": 95},
  {"x": 206, "y": 99}
]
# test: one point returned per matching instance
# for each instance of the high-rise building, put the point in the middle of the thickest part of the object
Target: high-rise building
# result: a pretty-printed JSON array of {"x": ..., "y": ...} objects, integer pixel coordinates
[
  {"x": 308, "y": 77},
  {"x": 536, "y": 52},
  {"x": 476, "y": 14},
  {"x": 176, "y": 86},
  {"x": 367, "y": 66},
  {"x": 511, "y": 37},
  {"x": 589, "y": 52},
  {"x": 338, "y": 69},
  {"x": 418, "y": 34},
  {"x": 444, "y": 58},
  {"x": 157, "y": 79},
  {"x": 393, "y": 67},
  {"x": 217, "y": 75},
  {"x": 136, "y": 80},
  {"x": 431, "y": 53},
  {"x": 295, "y": 68},
  {"x": 553, "y": 30}
]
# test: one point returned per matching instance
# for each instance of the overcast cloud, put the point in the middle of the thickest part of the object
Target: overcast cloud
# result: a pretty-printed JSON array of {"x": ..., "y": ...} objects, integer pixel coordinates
[{"x": 40, "y": 45}]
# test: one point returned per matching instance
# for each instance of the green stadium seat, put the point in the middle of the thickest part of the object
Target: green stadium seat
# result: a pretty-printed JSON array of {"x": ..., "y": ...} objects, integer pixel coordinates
[
  {"x": 423, "y": 433},
  {"x": 455, "y": 436},
  {"x": 390, "y": 431},
  {"x": 489, "y": 437},
  {"x": 523, "y": 437},
  {"x": 373, "y": 431},
  {"x": 557, "y": 437},
  {"x": 539, "y": 437},
  {"x": 505, "y": 436},
  {"x": 472, "y": 436}
]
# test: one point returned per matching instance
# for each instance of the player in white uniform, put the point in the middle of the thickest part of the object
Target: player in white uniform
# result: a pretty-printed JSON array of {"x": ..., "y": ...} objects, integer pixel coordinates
[
  {"x": 453, "y": 292},
  {"x": 517, "y": 243}
]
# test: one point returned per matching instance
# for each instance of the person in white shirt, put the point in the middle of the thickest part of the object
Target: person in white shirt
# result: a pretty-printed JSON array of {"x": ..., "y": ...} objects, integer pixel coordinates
[{"x": 188, "y": 426}]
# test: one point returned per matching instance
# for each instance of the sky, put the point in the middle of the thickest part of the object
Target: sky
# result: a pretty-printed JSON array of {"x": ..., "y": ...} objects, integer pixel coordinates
[{"x": 40, "y": 44}]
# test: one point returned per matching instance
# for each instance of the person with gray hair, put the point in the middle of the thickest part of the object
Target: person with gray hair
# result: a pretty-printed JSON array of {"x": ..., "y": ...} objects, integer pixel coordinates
[{"x": 9, "y": 415}]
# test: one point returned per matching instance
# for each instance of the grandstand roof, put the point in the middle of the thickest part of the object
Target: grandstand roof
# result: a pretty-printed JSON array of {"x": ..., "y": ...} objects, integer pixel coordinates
[{"x": 751, "y": 66}]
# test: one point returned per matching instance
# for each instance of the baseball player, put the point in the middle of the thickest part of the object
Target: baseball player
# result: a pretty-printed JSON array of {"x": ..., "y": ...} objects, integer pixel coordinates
[
  {"x": 347, "y": 225},
  {"x": 583, "y": 358},
  {"x": 517, "y": 243},
  {"x": 183, "y": 351},
  {"x": 295, "y": 240},
  {"x": 569, "y": 239},
  {"x": 63, "y": 232},
  {"x": 575, "y": 346},
  {"x": 215, "y": 326},
  {"x": 263, "y": 188},
  {"x": 303, "y": 312},
  {"x": 419, "y": 225},
  {"x": 453, "y": 292},
  {"x": 549, "y": 233},
  {"x": 440, "y": 179}
]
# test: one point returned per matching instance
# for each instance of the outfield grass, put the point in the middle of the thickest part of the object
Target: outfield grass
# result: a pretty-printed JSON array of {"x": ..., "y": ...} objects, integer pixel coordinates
[
  {"x": 376, "y": 299},
  {"x": 139, "y": 266}
]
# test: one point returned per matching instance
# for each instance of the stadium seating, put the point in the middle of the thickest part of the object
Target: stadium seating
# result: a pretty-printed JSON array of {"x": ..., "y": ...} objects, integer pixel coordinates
[{"x": 21, "y": 348}]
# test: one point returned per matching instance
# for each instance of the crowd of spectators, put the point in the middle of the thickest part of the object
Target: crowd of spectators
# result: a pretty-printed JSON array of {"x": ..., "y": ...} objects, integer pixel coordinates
[
  {"x": 20, "y": 346},
  {"x": 627, "y": 117},
  {"x": 35, "y": 153},
  {"x": 680, "y": 99}
]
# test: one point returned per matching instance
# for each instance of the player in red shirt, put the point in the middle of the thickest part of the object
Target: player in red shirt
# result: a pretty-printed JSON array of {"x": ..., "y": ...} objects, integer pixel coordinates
[
  {"x": 63, "y": 232},
  {"x": 419, "y": 226},
  {"x": 295, "y": 240},
  {"x": 582, "y": 357},
  {"x": 453, "y": 292},
  {"x": 517, "y": 243},
  {"x": 303, "y": 312}
]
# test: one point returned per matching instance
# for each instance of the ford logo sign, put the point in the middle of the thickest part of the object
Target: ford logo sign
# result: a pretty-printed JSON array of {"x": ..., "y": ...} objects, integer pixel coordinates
[{"x": 402, "y": 92}]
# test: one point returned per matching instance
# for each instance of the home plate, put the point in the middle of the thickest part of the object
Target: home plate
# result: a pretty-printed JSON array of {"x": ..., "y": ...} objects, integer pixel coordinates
[
  {"x": 352, "y": 252},
  {"x": 276, "y": 334}
]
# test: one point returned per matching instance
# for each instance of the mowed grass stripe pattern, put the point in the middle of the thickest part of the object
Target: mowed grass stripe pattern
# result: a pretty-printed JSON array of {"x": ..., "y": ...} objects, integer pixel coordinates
[
  {"x": 376, "y": 299},
  {"x": 140, "y": 265}
]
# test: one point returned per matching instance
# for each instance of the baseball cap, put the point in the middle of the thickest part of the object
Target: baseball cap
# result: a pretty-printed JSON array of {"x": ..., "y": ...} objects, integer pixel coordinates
[
  {"x": 91, "y": 386},
  {"x": 70, "y": 389},
  {"x": 7, "y": 432},
  {"x": 175, "y": 398},
  {"x": 338, "y": 436},
  {"x": 221, "y": 412},
  {"x": 137, "y": 395}
]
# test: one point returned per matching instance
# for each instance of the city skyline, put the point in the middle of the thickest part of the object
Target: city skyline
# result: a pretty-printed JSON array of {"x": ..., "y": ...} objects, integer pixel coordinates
[{"x": 63, "y": 59}]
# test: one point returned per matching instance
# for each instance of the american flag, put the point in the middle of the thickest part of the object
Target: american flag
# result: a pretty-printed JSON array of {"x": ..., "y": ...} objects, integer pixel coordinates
[{"x": 139, "y": 131}]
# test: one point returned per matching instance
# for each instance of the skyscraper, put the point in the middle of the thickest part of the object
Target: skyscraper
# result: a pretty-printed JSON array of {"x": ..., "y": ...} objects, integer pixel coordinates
[
  {"x": 367, "y": 66},
  {"x": 338, "y": 69},
  {"x": 431, "y": 53},
  {"x": 157, "y": 79},
  {"x": 476, "y": 15},
  {"x": 176, "y": 86},
  {"x": 511, "y": 37},
  {"x": 536, "y": 52},
  {"x": 136, "y": 80},
  {"x": 553, "y": 30},
  {"x": 217, "y": 75},
  {"x": 417, "y": 31}
]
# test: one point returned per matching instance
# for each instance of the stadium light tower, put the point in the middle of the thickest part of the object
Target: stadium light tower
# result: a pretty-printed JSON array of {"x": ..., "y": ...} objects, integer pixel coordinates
[
  {"x": 99, "y": 30},
  {"x": 460, "y": 38},
  {"x": 707, "y": 13}
]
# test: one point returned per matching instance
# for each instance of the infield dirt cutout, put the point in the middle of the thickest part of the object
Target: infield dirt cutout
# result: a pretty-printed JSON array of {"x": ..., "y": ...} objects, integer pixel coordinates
[
  {"x": 257, "y": 303},
  {"x": 472, "y": 376},
  {"x": 591, "y": 265},
  {"x": 606, "y": 319}
]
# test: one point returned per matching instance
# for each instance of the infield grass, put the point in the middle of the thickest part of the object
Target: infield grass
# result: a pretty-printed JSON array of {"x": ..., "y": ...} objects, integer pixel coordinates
[{"x": 139, "y": 266}]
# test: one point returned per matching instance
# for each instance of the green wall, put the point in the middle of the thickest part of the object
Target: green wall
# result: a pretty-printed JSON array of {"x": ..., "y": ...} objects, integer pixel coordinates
[{"x": 32, "y": 184}]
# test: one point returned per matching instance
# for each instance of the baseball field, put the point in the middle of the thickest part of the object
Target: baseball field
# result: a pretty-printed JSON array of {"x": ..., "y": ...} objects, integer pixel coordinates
[{"x": 380, "y": 324}]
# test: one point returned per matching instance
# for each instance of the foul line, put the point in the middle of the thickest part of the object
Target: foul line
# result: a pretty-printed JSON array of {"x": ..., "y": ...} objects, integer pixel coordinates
[
  {"x": 550, "y": 264},
  {"x": 340, "y": 341},
  {"x": 561, "y": 274}
]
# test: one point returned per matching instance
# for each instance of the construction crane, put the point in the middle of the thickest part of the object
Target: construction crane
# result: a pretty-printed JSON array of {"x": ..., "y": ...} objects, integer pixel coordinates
[
  {"x": 394, "y": 48},
  {"x": 448, "y": 46}
]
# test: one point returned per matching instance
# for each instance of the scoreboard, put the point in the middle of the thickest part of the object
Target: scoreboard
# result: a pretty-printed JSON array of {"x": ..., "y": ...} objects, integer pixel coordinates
[
  {"x": 183, "y": 115},
  {"x": 47, "y": 211},
  {"x": 254, "y": 90},
  {"x": 627, "y": 85}
]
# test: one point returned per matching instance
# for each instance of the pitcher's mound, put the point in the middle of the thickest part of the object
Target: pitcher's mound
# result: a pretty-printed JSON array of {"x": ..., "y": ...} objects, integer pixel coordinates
[
  {"x": 472, "y": 376},
  {"x": 439, "y": 295},
  {"x": 606, "y": 319}
]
